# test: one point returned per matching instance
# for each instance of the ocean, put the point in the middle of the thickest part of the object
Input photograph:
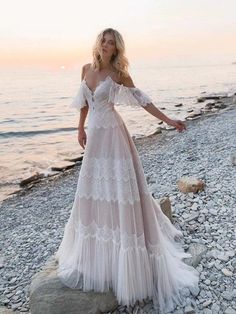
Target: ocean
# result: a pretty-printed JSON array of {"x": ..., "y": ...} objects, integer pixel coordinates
[{"x": 37, "y": 129}]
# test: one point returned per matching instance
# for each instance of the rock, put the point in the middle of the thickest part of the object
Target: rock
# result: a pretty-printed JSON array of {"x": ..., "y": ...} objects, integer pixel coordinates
[
  {"x": 227, "y": 295},
  {"x": 147, "y": 308},
  {"x": 215, "y": 308},
  {"x": 194, "y": 115},
  {"x": 194, "y": 291},
  {"x": 49, "y": 295},
  {"x": 166, "y": 207},
  {"x": 189, "y": 310},
  {"x": 220, "y": 105},
  {"x": 157, "y": 131},
  {"x": 1, "y": 261},
  {"x": 213, "y": 211},
  {"x": 233, "y": 159},
  {"x": 62, "y": 166},
  {"x": 4, "y": 300},
  {"x": 32, "y": 178},
  {"x": 190, "y": 184},
  {"x": 192, "y": 217},
  {"x": 207, "y": 303},
  {"x": 200, "y": 99},
  {"x": 4, "y": 310},
  {"x": 229, "y": 310},
  {"x": 15, "y": 306},
  {"x": 211, "y": 96},
  {"x": 197, "y": 251},
  {"x": 74, "y": 159},
  {"x": 226, "y": 272},
  {"x": 210, "y": 105}
]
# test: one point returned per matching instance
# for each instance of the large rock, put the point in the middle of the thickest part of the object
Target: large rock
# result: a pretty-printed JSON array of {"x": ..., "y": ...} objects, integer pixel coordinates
[
  {"x": 49, "y": 296},
  {"x": 190, "y": 184}
]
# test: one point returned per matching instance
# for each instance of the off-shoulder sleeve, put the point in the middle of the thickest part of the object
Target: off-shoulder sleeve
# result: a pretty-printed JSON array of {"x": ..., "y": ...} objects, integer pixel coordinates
[
  {"x": 80, "y": 99},
  {"x": 132, "y": 96}
]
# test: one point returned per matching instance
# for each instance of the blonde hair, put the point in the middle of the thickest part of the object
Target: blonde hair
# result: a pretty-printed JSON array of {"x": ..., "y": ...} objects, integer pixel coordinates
[{"x": 119, "y": 61}]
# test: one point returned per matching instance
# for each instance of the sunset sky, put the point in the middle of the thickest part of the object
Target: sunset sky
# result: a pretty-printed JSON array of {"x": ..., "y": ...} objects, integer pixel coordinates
[{"x": 55, "y": 33}]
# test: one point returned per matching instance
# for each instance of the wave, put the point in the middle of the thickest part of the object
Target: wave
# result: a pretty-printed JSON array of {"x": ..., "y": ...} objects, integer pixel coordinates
[{"x": 34, "y": 133}]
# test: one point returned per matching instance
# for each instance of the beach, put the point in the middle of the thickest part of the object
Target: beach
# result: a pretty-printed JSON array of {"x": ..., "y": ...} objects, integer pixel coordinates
[
  {"x": 38, "y": 129},
  {"x": 33, "y": 220}
]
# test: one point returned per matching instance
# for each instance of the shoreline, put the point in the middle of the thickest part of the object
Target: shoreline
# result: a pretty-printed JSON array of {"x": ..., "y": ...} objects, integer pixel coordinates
[
  {"x": 221, "y": 103},
  {"x": 33, "y": 220}
]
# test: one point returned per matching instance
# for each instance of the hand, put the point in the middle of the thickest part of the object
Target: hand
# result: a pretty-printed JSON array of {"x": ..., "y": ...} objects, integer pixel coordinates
[
  {"x": 178, "y": 124},
  {"x": 82, "y": 137}
]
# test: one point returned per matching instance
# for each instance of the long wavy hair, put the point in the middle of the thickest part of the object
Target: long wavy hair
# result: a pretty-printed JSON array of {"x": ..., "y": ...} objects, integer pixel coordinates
[{"x": 119, "y": 61}]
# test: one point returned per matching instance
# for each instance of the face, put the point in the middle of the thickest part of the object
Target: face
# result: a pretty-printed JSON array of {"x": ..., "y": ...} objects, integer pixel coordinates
[{"x": 108, "y": 46}]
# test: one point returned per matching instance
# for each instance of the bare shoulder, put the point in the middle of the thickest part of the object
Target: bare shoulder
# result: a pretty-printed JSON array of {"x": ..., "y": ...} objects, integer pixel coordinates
[
  {"x": 127, "y": 81},
  {"x": 85, "y": 68}
]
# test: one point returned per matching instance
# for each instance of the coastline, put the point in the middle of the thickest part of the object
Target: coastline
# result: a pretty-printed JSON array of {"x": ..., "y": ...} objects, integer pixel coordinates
[
  {"x": 213, "y": 104},
  {"x": 34, "y": 218}
]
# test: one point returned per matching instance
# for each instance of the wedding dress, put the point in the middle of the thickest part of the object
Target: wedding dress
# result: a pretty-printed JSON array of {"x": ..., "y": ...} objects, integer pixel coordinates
[{"x": 117, "y": 236}]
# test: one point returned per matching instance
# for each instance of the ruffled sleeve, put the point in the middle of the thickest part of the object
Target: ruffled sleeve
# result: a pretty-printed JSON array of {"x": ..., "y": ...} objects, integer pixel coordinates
[
  {"x": 80, "y": 99},
  {"x": 131, "y": 96}
]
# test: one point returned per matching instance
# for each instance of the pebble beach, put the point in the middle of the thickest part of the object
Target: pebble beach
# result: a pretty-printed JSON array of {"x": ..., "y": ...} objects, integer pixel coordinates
[{"x": 33, "y": 220}]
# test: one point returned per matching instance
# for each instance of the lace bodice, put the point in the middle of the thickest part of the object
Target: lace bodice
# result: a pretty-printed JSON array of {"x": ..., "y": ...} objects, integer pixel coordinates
[{"x": 107, "y": 94}]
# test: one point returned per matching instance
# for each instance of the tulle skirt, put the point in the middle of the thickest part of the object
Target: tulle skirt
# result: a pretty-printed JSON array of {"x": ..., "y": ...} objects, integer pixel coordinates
[{"x": 117, "y": 236}]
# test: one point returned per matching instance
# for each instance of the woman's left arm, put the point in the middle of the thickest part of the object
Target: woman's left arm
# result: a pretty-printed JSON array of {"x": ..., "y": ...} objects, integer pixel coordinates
[{"x": 153, "y": 110}]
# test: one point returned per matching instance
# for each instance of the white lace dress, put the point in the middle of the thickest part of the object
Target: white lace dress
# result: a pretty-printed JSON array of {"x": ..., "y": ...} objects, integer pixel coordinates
[{"x": 117, "y": 236}]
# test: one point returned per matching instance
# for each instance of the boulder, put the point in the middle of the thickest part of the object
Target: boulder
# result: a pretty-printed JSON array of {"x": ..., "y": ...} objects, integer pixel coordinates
[
  {"x": 190, "y": 184},
  {"x": 48, "y": 295}
]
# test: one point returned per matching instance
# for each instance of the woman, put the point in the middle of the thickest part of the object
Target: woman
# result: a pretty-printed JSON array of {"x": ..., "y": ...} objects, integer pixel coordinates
[{"x": 117, "y": 236}]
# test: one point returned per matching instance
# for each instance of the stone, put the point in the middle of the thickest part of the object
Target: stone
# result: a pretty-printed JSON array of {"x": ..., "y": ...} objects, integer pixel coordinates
[
  {"x": 194, "y": 291},
  {"x": 35, "y": 177},
  {"x": 189, "y": 310},
  {"x": 227, "y": 295},
  {"x": 190, "y": 184},
  {"x": 206, "y": 303},
  {"x": 49, "y": 295},
  {"x": 63, "y": 165},
  {"x": 213, "y": 211},
  {"x": 165, "y": 205},
  {"x": 74, "y": 159},
  {"x": 195, "y": 113},
  {"x": 197, "y": 251},
  {"x": 4, "y": 310},
  {"x": 233, "y": 159},
  {"x": 192, "y": 217},
  {"x": 215, "y": 308},
  {"x": 226, "y": 272},
  {"x": 229, "y": 310}
]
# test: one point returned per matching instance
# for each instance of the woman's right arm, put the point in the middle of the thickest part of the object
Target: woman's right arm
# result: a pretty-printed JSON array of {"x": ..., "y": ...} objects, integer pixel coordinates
[{"x": 83, "y": 114}]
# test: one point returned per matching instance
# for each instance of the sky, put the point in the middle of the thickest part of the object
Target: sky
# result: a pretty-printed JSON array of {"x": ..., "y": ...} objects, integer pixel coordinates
[{"x": 61, "y": 33}]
